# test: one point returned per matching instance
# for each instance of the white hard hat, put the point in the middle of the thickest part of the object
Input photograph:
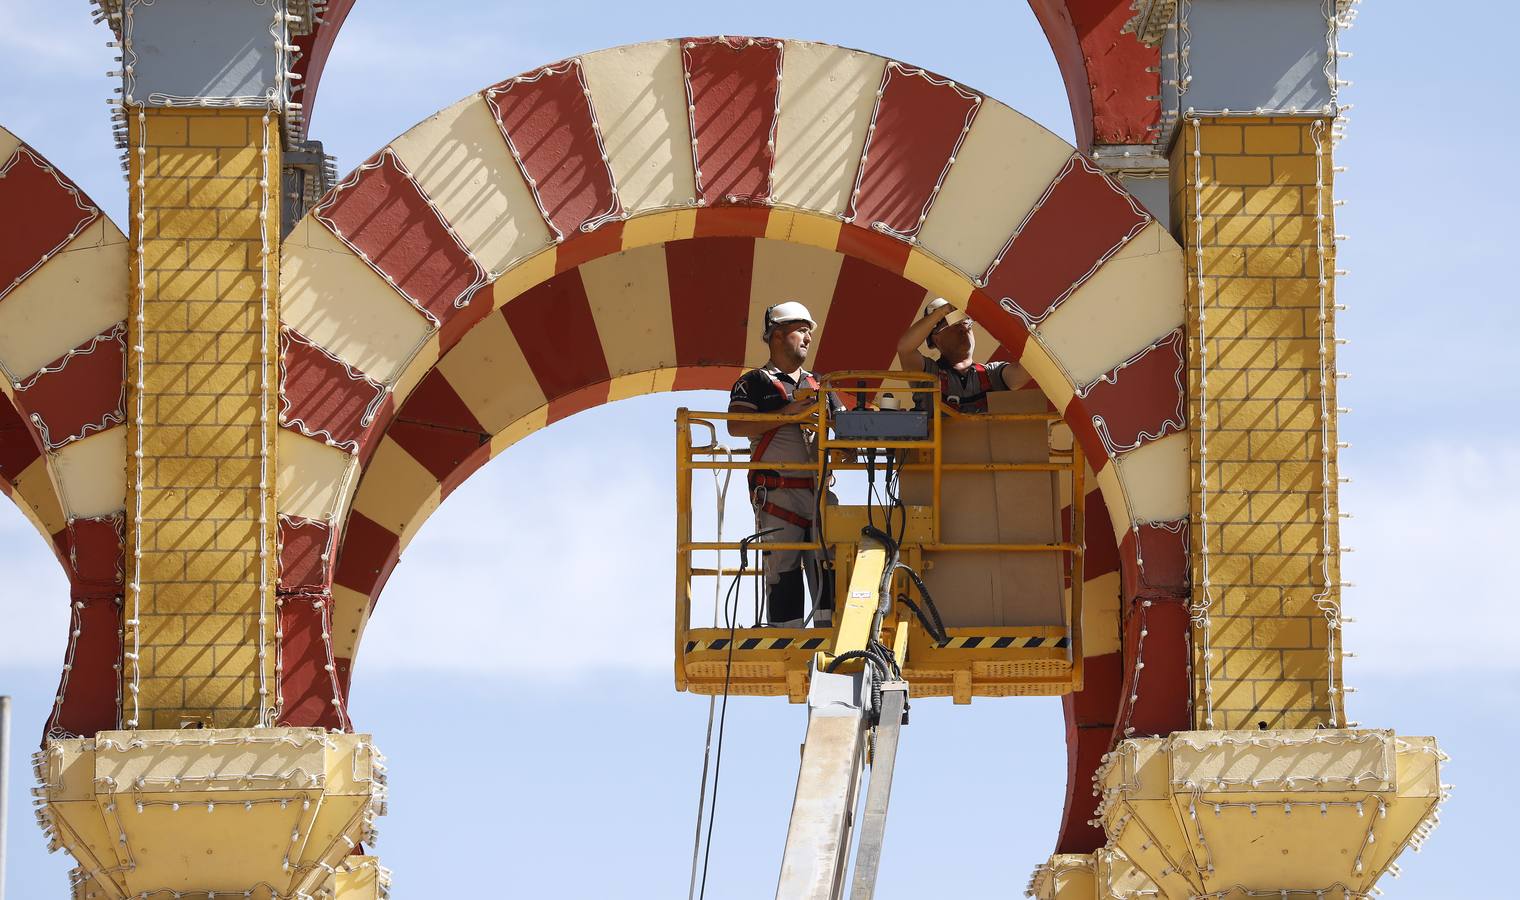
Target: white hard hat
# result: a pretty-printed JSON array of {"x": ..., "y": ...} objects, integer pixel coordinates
[
  {"x": 782, "y": 313},
  {"x": 955, "y": 316}
]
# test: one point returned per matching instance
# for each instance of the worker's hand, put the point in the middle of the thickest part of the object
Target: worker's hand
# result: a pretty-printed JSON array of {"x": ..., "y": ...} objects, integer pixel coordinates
[{"x": 804, "y": 399}]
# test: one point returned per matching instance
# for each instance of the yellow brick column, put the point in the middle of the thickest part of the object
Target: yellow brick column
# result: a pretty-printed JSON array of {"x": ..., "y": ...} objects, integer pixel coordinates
[
  {"x": 1254, "y": 210},
  {"x": 202, "y": 372}
]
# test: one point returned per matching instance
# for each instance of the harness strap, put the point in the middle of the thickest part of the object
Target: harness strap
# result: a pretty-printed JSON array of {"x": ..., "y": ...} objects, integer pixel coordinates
[
  {"x": 774, "y": 482},
  {"x": 976, "y": 402},
  {"x": 786, "y": 515},
  {"x": 765, "y": 439}
]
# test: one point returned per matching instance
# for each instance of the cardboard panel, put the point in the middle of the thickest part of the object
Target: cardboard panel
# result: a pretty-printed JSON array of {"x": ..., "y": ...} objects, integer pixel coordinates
[{"x": 986, "y": 589}]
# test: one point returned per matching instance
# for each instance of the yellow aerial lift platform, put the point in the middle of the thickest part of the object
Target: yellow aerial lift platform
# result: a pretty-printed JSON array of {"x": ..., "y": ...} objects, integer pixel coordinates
[
  {"x": 971, "y": 500},
  {"x": 978, "y": 514}
]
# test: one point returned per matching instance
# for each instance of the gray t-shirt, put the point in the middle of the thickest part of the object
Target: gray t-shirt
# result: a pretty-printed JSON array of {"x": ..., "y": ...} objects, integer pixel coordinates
[{"x": 965, "y": 389}]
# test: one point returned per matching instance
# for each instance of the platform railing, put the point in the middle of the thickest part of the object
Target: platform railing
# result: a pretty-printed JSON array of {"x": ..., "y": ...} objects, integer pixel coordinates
[{"x": 836, "y": 454}]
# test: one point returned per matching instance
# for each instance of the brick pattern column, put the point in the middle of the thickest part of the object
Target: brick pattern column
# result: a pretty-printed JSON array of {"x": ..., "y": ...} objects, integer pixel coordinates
[
  {"x": 1253, "y": 207},
  {"x": 202, "y": 381}
]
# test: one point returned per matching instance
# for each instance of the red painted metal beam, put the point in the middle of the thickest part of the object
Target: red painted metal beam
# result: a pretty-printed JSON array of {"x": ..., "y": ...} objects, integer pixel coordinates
[
  {"x": 315, "y": 48},
  {"x": 1107, "y": 83}
]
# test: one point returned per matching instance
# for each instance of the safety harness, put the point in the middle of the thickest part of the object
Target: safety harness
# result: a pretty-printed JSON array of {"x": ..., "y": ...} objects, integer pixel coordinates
[
  {"x": 976, "y": 402},
  {"x": 762, "y": 481}
]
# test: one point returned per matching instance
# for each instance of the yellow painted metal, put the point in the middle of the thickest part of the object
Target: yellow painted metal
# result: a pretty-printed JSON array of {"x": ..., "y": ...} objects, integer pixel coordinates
[
  {"x": 1065, "y": 876},
  {"x": 982, "y": 661},
  {"x": 203, "y": 401},
  {"x": 269, "y": 811},
  {"x": 1216, "y": 812},
  {"x": 1105, "y": 874},
  {"x": 856, "y": 619},
  {"x": 361, "y": 878},
  {"x": 683, "y": 537}
]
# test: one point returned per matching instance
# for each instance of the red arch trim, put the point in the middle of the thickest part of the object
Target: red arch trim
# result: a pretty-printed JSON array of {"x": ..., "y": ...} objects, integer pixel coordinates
[
  {"x": 577, "y": 381},
  {"x": 19, "y": 444},
  {"x": 438, "y": 430},
  {"x": 53, "y": 211},
  {"x": 387, "y": 219},
  {"x": 1082, "y": 219},
  {"x": 709, "y": 281},
  {"x": 1110, "y": 76},
  {"x": 733, "y": 87},
  {"x": 871, "y": 306},
  {"x": 79, "y": 393},
  {"x": 549, "y": 125},
  {"x": 323, "y": 398},
  {"x": 919, "y": 123},
  {"x": 1141, "y": 400}
]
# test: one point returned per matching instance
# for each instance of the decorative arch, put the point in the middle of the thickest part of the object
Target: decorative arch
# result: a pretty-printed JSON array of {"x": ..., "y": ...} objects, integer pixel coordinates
[
  {"x": 642, "y": 205},
  {"x": 63, "y": 304}
]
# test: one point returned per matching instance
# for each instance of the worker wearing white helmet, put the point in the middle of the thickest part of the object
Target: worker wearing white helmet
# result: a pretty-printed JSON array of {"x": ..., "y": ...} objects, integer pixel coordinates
[
  {"x": 964, "y": 383},
  {"x": 786, "y": 500}
]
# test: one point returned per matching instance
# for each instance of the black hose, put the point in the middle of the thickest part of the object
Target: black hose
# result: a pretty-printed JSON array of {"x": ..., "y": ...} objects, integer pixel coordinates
[
  {"x": 878, "y": 671},
  {"x": 928, "y": 616}
]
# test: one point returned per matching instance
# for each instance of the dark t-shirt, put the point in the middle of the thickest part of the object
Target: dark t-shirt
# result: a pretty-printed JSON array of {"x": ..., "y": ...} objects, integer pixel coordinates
[{"x": 755, "y": 390}]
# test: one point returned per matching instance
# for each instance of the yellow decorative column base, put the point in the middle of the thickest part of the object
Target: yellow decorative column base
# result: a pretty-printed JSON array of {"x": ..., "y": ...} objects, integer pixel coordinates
[
  {"x": 271, "y": 813},
  {"x": 361, "y": 878},
  {"x": 1220, "y": 813},
  {"x": 1065, "y": 876},
  {"x": 1105, "y": 875}
]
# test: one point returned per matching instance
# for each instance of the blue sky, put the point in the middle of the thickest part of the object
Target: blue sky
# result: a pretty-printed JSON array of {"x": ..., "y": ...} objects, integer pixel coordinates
[{"x": 590, "y": 758}]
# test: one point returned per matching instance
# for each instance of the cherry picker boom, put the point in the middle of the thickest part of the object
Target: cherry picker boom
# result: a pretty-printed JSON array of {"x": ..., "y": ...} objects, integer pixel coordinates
[{"x": 972, "y": 519}]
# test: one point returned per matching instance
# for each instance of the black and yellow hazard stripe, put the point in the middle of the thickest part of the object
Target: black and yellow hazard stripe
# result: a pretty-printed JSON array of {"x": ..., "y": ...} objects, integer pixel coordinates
[
  {"x": 765, "y": 643},
  {"x": 957, "y": 642},
  {"x": 1004, "y": 642}
]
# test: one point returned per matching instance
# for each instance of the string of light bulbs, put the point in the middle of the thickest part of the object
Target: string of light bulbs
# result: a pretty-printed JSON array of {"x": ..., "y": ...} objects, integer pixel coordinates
[
  {"x": 737, "y": 45},
  {"x": 893, "y": 67}
]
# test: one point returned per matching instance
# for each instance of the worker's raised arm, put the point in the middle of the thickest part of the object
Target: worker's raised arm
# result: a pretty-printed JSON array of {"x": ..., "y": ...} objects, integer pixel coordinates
[{"x": 917, "y": 333}]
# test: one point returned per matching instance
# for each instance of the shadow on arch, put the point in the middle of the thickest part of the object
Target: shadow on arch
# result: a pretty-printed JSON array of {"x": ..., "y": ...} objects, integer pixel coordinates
[{"x": 615, "y": 224}]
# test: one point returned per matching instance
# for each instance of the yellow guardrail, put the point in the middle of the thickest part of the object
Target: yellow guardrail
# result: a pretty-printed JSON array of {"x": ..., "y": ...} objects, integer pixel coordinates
[{"x": 712, "y": 456}]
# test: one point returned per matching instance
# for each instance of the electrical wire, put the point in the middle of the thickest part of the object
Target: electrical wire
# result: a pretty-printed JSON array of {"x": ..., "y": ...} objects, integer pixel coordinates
[
  {"x": 729, "y": 600},
  {"x": 720, "y": 488}
]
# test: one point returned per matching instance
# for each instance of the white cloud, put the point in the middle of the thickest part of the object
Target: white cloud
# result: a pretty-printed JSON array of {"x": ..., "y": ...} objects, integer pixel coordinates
[
  {"x": 1433, "y": 532},
  {"x": 556, "y": 558},
  {"x": 541, "y": 564}
]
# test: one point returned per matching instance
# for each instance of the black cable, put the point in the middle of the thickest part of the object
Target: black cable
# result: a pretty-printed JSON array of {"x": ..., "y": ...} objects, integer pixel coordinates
[
  {"x": 728, "y": 668},
  {"x": 871, "y": 486},
  {"x": 879, "y": 674},
  {"x": 932, "y": 622},
  {"x": 895, "y": 465},
  {"x": 918, "y": 613}
]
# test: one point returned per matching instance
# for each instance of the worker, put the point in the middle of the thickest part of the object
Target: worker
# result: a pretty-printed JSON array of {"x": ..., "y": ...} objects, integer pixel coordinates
[
  {"x": 963, "y": 383},
  {"x": 785, "y": 500}
]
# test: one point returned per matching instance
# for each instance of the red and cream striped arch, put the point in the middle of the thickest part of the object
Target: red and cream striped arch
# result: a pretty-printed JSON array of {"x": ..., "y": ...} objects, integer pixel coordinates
[
  {"x": 63, "y": 302},
  {"x": 615, "y": 224}
]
